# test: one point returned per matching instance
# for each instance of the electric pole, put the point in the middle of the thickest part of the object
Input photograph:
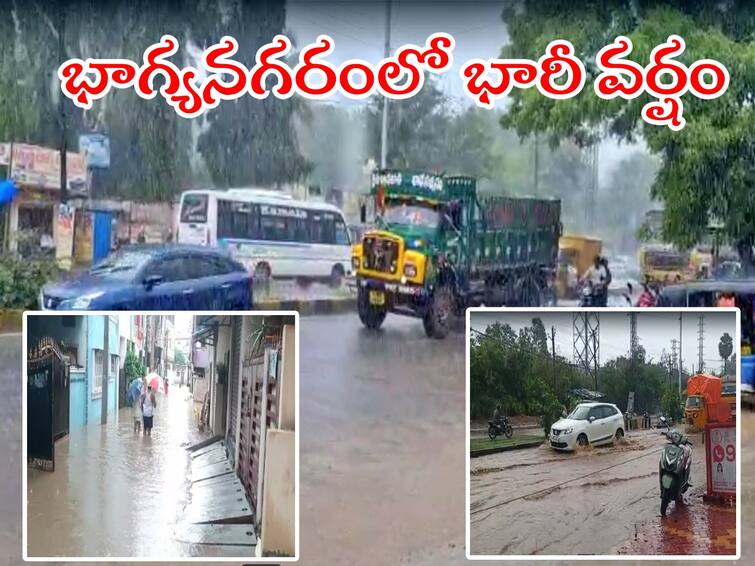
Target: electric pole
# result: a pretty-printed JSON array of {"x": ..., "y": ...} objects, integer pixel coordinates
[
  {"x": 553, "y": 350},
  {"x": 537, "y": 163},
  {"x": 700, "y": 342},
  {"x": 384, "y": 125},
  {"x": 595, "y": 358},
  {"x": 105, "y": 369},
  {"x": 680, "y": 354},
  {"x": 585, "y": 330},
  {"x": 672, "y": 362},
  {"x": 61, "y": 106}
]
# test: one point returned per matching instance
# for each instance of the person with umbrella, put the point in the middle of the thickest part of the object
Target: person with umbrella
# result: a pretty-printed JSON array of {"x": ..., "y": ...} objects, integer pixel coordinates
[
  {"x": 148, "y": 405},
  {"x": 134, "y": 397}
]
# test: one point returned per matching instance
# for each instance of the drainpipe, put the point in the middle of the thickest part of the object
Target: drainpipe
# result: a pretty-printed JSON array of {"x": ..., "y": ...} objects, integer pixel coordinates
[
  {"x": 263, "y": 438},
  {"x": 106, "y": 371}
]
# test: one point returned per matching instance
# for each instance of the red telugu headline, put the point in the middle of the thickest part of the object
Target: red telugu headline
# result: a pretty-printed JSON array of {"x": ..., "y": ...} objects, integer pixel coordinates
[{"x": 558, "y": 74}]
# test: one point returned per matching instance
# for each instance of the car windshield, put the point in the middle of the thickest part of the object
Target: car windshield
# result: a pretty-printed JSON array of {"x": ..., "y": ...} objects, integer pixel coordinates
[
  {"x": 411, "y": 214},
  {"x": 122, "y": 264},
  {"x": 580, "y": 413}
]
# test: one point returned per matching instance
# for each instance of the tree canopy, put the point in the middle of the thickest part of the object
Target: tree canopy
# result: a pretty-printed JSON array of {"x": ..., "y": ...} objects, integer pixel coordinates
[{"x": 706, "y": 168}]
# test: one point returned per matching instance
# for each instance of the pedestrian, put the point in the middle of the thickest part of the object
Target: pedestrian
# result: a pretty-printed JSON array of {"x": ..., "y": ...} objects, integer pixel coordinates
[
  {"x": 165, "y": 384},
  {"x": 137, "y": 412},
  {"x": 149, "y": 404}
]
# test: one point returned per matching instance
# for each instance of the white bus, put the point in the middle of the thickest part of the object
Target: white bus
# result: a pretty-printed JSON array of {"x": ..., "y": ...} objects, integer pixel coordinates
[{"x": 269, "y": 232}]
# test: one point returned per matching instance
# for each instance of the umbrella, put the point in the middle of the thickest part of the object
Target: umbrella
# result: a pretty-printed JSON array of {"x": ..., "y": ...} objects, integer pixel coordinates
[
  {"x": 134, "y": 391},
  {"x": 154, "y": 381}
]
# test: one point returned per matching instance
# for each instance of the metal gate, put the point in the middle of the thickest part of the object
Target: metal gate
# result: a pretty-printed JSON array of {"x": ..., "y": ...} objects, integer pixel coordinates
[
  {"x": 234, "y": 379},
  {"x": 48, "y": 390},
  {"x": 259, "y": 411}
]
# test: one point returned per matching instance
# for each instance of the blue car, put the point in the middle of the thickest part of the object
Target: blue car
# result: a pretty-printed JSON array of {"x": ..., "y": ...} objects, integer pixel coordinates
[{"x": 156, "y": 277}]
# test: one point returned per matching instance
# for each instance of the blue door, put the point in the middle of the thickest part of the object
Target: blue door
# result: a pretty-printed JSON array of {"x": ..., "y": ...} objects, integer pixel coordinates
[{"x": 101, "y": 235}]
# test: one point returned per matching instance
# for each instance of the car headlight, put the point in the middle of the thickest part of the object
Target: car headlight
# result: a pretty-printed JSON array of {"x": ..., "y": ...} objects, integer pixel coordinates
[
  {"x": 567, "y": 431},
  {"x": 79, "y": 303},
  {"x": 355, "y": 263},
  {"x": 410, "y": 270}
]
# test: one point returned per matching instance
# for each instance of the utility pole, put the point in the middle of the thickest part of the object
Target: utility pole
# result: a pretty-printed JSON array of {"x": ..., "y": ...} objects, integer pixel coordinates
[
  {"x": 105, "y": 370},
  {"x": 680, "y": 354},
  {"x": 384, "y": 125},
  {"x": 553, "y": 350},
  {"x": 673, "y": 360},
  {"x": 700, "y": 342},
  {"x": 595, "y": 358},
  {"x": 61, "y": 107},
  {"x": 537, "y": 163}
]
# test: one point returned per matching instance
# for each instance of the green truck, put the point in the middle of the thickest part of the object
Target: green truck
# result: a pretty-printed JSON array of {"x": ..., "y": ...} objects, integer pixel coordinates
[{"x": 439, "y": 248}]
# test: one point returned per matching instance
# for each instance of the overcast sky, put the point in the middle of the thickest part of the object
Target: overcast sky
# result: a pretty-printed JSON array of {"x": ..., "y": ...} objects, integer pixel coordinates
[
  {"x": 358, "y": 29},
  {"x": 655, "y": 331}
]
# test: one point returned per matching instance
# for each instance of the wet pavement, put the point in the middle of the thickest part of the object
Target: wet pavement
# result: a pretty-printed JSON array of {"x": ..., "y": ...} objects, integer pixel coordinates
[
  {"x": 539, "y": 501},
  {"x": 115, "y": 492},
  {"x": 382, "y": 449}
]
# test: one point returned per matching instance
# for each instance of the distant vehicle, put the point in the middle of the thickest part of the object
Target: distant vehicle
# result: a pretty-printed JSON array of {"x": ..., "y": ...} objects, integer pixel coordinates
[
  {"x": 576, "y": 253},
  {"x": 588, "y": 424},
  {"x": 156, "y": 277},
  {"x": 272, "y": 234},
  {"x": 708, "y": 401}
]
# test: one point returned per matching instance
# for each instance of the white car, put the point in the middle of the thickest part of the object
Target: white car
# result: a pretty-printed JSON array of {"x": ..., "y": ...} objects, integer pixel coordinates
[{"x": 589, "y": 423}]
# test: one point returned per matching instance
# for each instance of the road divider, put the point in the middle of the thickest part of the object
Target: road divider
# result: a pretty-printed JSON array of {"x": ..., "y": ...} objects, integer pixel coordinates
[{"x": 305, "y": 307}]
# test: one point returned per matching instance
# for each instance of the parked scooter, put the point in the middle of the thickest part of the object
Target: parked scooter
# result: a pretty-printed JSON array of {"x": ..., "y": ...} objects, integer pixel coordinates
[
  {"x": 500, "y": 427},
  {"x": 674, "y": 467}
]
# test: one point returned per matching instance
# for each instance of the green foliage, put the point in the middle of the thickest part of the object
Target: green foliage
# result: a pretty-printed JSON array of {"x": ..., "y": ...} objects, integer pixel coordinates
[
  {"x": 707, "y": 168},
  {"x": 21, "y": 280},
  {"x": 180, "y": 358},
  {"x": 133, "y": 366},
  {"x": 516, "y": 370},
  {"x": 671, "y": 404}
]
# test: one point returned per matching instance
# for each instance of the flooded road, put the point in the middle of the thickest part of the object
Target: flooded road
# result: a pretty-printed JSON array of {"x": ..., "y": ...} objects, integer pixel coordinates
[
  {"x": 114, "y": 492},
  {"x": 382, "y": 449},
  {"x": 539, "y": 501}
]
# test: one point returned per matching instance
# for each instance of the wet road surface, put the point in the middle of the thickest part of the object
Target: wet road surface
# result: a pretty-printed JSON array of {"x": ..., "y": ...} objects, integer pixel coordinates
[
  {"x": 114, "y": 492},
  {"x": 521, "y": 505},
  {"x": 382, "y": 454},
  {"x": 10, "y": 449}
]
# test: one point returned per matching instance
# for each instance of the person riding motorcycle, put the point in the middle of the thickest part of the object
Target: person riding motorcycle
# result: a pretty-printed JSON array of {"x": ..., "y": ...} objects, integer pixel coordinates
[
  {"x": 647, "y": 298},
  {"x": 598, "y": 276},
  {"x": 497, "y": 414}
]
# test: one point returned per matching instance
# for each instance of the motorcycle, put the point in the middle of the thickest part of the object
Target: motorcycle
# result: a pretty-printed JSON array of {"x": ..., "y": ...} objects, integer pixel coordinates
[
  {"x": 501, "y": 427},
  {"x": 587, "y": 297},
  {"x": 674, "y": 467}
]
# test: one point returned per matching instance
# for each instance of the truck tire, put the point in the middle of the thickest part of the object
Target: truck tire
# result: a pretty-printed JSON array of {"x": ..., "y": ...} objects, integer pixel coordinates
[
  {"x": 372, "y": 317},
  {"x": 437, "y": 319}
]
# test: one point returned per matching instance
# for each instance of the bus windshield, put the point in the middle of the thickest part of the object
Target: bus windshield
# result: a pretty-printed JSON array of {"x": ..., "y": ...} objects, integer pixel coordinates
[
  {"x": 411, "y": 214},
  {"x": 194, "y": 208}
]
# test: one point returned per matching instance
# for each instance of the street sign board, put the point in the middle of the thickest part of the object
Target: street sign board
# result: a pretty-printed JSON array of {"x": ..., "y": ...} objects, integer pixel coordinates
[
  {"x": 721, "y": 459},
  {"x": 96, "y": 150},
  {"x": 37, "y": 166}
]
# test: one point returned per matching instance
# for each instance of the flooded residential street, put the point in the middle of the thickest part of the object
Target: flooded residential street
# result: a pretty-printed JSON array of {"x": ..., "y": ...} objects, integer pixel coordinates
[{"x": 115, "y": 492}]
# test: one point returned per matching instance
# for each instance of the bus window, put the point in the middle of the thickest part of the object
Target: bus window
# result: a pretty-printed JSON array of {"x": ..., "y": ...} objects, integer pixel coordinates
[
  {"x": 194, "y": 208},
  {"x": 273, "y": 228},
  {"x": 323, "y": 229},
  {"x": 342, "y": 235},
  {"x": 238, "y": 220}
]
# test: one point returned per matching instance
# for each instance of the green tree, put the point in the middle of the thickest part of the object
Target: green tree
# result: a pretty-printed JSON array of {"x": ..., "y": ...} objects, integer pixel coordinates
[
  {"x": 707, "y": 168},
  {"x": 133, "y": 366},
  {"x": 180, "y": 358}
]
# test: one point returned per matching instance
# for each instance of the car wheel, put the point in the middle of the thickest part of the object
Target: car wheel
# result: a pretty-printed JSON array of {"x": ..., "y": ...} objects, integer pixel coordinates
[
  {"x": 582, "y": 440},
  {"x": 619, "y": 435}
]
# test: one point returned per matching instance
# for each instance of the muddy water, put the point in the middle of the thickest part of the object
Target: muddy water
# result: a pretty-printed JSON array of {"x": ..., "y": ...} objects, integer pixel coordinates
[
  {"x": 522, "y": 502},
  {"x": 114, "y": 492}
]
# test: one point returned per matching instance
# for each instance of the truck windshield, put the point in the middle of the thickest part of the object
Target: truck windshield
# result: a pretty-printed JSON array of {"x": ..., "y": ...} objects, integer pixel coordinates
[
  {"x": 667, "y": 260},
  {"x": 411, "y": 214},
  {"x": 694, "y": 402}
]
